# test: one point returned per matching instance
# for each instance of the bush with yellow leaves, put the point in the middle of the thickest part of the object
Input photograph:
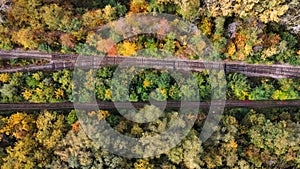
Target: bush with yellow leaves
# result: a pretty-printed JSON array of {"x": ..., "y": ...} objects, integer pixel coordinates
[
  {"x": 127, "y": 48},
  {"x": 138, "y": 6},
  {"x": 4, "y": 77},
  {"x": 266, "y": 11},
  {"x": 98, "y": 17},
  {"x": 25, "y": 37},
  {"x": 36, "y": 139},
  {"x": 18, "y": 125},
  {"x": 188, "y": 9}
]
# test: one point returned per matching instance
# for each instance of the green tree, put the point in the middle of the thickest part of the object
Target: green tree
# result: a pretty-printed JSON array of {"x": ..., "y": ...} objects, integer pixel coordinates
[
  {"x": 275, "y": 141},
  {"x": 52, "y": 15},
  {"x": 8, "y": 93},
  {"x": 5, "y": 38},
  {"x": 187, "y": 153},
  {"x": 239, "y": 86}
]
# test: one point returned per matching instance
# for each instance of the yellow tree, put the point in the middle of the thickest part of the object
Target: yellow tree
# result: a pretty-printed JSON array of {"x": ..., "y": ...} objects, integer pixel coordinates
[
  {"x": 25, "y": 37},
  {"x": 18, "y": 125},
  {"x": 24, "y": 13}
]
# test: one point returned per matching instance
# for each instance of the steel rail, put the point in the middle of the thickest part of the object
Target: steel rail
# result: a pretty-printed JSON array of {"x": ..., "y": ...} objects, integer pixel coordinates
[
  {"x": 170, "y": 104},
  {"x": 67, "y": 61}
]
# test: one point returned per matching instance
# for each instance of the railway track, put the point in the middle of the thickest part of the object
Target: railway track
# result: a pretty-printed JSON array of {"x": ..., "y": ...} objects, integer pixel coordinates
[
  {"x": 170, "y": 104},
  {"x": 67, "y": 61}
]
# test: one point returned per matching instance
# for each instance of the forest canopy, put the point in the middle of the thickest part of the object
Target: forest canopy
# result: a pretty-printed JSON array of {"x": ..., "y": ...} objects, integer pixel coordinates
[
  {"x": 245, "y": 138},
  {"x": 253, "y": 31},
  {"x": 244, "y": 30}
]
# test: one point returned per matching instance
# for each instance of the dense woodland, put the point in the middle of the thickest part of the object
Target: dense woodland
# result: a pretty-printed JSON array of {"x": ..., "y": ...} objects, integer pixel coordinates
[
  {"x": 245, "y": 138},
  {"x": 252, "y": 31},
  {"x": 39, "y": 87},
  {"x": 243, "y": 30}
]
